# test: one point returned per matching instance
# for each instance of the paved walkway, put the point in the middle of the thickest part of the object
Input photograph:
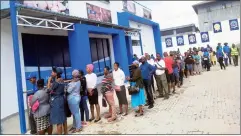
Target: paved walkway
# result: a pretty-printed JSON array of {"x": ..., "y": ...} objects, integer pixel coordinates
[{"x": 209, "y": 104}]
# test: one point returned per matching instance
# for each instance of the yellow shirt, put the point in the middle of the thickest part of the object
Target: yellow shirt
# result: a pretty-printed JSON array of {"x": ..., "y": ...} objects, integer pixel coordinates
[{"x": 213, "y": 57}]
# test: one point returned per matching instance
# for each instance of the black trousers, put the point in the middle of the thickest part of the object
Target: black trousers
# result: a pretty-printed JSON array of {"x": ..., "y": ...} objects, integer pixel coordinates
[
  {"x": 147, "y": 85},
  {"x": 229, "y": 58},
  {"x": 152, "y": 84},
  {"x": 220, "y": 60},
  {"x": 181, "y": 77},
  {"x": 32, "y": 123},
  {"x": 207, "y": 65}
]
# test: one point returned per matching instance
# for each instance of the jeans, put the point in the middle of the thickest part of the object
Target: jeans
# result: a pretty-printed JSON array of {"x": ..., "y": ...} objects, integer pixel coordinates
[
  {"x": 84, "y": 108},
  {"x": 147, "y": 85},
  {"x": 226, "y": 61},
  {"x": 73, "y": 102},
  {"x": 220, "y": 60}
]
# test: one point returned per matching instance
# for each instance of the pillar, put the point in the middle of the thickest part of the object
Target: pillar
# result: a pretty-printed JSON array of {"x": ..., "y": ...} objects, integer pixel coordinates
[{"x": 157, "y": 38}]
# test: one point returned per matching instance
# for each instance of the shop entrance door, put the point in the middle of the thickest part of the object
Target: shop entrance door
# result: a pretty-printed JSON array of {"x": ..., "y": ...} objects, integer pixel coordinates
[{"x": 100, "y": 54}]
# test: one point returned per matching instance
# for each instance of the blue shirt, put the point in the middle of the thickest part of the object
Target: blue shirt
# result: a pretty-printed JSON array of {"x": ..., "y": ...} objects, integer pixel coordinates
[
  {"x": 226, "y": 49},
  {"x": 220, "y": 54},
  {"x": 34, "y": 89},
  {"x": 147, "y": 70},
  {"x": 206, "y": 54}
]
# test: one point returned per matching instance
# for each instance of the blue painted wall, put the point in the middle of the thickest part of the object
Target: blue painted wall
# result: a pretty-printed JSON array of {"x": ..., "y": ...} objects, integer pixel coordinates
[
  {"x": 79, "y": 46},
  {"x": 125, "y": 17}
]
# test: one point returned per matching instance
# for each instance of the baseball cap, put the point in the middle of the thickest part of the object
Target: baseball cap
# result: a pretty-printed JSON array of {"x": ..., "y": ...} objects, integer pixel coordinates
[{"x": 31, "y": 75}]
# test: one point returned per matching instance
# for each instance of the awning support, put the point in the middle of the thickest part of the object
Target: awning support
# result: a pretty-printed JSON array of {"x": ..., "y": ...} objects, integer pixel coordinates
[{"x": 44, "y": 23}]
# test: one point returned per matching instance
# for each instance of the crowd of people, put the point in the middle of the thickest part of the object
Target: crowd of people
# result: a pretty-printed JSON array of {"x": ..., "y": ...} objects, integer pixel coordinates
[{"x": 61, "y": 99}]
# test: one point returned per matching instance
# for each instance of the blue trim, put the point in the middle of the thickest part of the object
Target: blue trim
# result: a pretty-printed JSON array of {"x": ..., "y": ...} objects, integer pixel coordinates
[
  {"x": 17, "y": 67},
  {"x": 79, "y": 46},
  {"x": 129, "y": 49},
  {"x": 125, "y": 17}
]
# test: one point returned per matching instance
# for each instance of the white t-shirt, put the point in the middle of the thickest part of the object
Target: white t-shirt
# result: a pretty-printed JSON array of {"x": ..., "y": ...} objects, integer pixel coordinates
[
  {"x": 160, "y": 64},
  {"x": 151, "y": 61},
  {"x": 91, "y": 80},
  {"x": 119, "y": 77}
]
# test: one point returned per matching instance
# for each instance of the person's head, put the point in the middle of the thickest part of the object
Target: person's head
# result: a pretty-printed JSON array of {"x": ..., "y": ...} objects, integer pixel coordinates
[
  {"x": 56, "y": 72},
  {"x": 135, "y": 64},
  {"x": 89, "y": 68},
  {"x": 171, "y": 55},
  {"x": 148, "y": 57},
  {"x": 32, "y": 78},
  {"x": 208, "y": 45},
  {"x": 75, "y": 74},
  {"x": 146, "y": 54},
  {"x": 233, "y": 45},
  {"x": 152, "y": 55},
  {"x": 219, "y": 44},
  {"x": 106, "y": 70},
  {"x": 40, "y": 84},
  {"x": 143, "y": 59},
  {"x": 165, "y": 54},
  {"x": 81, "y": 73},
  {"x": 225, "y": 44},
  {"x": 158, "y": 56},
  {"x": 116, "y": 65}
]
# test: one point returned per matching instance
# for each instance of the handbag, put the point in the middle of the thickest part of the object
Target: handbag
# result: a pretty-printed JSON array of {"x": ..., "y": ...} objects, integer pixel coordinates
[
  {"x": 35, "y": 106},
  {"x": 133, "y": 90},
  {"x": 104, "y": 104}
]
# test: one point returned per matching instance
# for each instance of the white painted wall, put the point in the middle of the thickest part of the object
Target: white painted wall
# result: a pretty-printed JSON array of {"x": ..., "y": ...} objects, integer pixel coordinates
[
  {"x": 147, "y": 38},
  {"x": 225, "y": 36}
]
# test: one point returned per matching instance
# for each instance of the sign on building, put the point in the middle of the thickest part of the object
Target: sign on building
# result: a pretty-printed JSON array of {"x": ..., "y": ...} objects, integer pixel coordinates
[
  {"x": 98, "y": 14},
  {"x": 192, "y": 39},
  {"x": 204, "y": 37},
  {"x": 180, "y": 40},
  {"x": 146, "y": 14},
  {"x": 168, "y": 42},
  {"x": 217, "y": 27},
  {"x": 129, "y": 6},
  {"x": 233, "y": 24}
]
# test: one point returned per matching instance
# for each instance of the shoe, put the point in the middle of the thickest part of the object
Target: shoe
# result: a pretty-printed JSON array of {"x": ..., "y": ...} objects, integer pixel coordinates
[
  {"x": 90, "y": 120},
  {"x": 151, "y": 106},
  {"x": 125, "y": 114},
  {"x": 160, "y": 96},
  {"x": 97, "y": 120}
]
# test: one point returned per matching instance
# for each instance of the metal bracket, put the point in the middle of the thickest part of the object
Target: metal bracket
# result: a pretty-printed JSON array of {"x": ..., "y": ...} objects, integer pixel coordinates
[
  {"x": 44, "y": 23},
  {"x": 131, "y": 33}
]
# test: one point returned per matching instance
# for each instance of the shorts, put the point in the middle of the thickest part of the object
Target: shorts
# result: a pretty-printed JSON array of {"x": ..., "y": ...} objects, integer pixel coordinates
[
  {"x": 94, "y": 98},
  {"x": 189, "y": 67},
  {"x": 170, "y": 78}
]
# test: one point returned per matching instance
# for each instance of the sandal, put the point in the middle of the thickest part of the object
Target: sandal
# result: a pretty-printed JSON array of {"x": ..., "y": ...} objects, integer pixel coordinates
[
  {"x": 120, "y": 113},
  {"x": 112, "y": 119},
  {"x": 90, "y": 120},
  {"x": 75, "y": 131},
  {"x": 124, "y": 114},
  {"x": 107, "y": 116},
  {"x": 97, "y": 120},
  {"x": 71, "y": 129}
]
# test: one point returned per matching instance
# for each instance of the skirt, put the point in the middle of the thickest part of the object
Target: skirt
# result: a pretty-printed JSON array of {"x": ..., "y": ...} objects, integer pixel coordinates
[
  {"x": 57, "y": 110},
  {"x": 139, "y": 98},
  {"x": 42, "y": 123},
  {"x": 121, "y": 95},
  {"x": 94, "y": 98}
]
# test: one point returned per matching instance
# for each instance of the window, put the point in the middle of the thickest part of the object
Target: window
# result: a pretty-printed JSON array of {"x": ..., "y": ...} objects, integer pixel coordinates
[
  {"x": 44, "y": 52},
  {"x": 100, "y": 54},
  {"x": 135, "y": 43},
  {"x": 168, "y": 32},
  {"x": 208, "y": 9},
  {"x": 184, "y": 30},
  {"x": 224, "y": 5}
]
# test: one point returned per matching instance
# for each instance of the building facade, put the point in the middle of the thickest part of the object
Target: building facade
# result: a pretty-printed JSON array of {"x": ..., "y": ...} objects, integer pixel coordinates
[
  {"x": 211, "y": 12},
  {"x": 68, "y": 34}
]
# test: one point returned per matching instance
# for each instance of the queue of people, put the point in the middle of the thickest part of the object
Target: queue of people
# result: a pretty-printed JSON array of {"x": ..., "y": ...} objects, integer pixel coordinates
[{"x": 61, "y": 99}]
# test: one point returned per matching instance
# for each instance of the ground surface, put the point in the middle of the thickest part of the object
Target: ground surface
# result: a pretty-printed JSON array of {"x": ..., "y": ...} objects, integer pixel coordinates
[{"x": 206, "y": 104}]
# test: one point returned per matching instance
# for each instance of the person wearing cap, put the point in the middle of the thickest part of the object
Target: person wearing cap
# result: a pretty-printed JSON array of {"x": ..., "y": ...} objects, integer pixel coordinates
[
  {"x": 138, "y": 99},
  {"x": 91, "y": 81},
  {"x": 235, "y": 54},
  {"x": 57, "y": 100},
  {"x": 32, "y": 78},
  {"x": 147, "y": 71},
  {"x": 227, "y": 51}
]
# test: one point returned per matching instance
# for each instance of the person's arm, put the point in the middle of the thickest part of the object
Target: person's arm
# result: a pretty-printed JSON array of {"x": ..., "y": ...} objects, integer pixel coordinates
[
  {"x": 152, "y": 70},
  {"x": 34, "y": 98},
  {"x": 136, "y": 75},
  {"x": 122, "y": 76}
]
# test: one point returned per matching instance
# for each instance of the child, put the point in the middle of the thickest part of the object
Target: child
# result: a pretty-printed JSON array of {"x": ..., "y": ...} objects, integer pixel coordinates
[{"x": 213, "y": 58}]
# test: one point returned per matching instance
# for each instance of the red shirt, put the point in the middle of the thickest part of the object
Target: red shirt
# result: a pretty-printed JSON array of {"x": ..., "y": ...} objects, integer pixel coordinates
[{"x": 169, "y": 62}]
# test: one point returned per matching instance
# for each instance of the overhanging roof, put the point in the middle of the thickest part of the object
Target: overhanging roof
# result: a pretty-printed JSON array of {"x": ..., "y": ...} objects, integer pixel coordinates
[
  {"x": 201, "y": 3},
  {"x": 46, "y": 14},
  {"x": 173, "y": 28}
]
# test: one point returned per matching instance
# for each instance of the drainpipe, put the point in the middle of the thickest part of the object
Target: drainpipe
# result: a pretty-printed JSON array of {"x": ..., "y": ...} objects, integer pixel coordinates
[
  {"x": 14, "y": 26},
  {"x": 140, "y": 43}
]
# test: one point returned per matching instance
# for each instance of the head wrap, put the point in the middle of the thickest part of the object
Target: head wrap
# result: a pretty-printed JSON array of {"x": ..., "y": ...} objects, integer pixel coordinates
[
  {"x": 135, "y": 62},
  {"x": 90, "y": 67},
  {"x": 75, "y": 73}
]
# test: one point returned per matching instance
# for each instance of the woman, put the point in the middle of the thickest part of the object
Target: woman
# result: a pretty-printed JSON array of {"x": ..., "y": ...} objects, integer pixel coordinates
[
  {"x": 213, "y": 58},
  {"x": 74, "y": 100},
  {"x": 137, "y": 100},
  {"x": 91, "y": 80},
  {"x": 83, "y": 102},
  {"x": 57, "y": 110},
  {"x": 119, "y": 80},
  {"x": 189, "y": 62},
  {"x": 197, "y": 63},
  {"x": 220, "y": 56},
  {"x": 41, "y": 115},
  {"x": 108, "y": 94}
]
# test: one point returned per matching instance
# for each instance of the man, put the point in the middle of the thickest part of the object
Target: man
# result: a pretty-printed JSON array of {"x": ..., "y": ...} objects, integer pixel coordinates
[
  {"x": 206, "y": 59},
  {"x": 147, "y": 71},
  {"x": 160, "y": 76},
  {"x": 135, "y": 57},
  {"x": 226, "y": 50},
  {"x": 234, "y": 54},
  {"x": 152, "y": 62},
  {"x": 33, "y": 80},
  {"x": 169, "y": 71}
]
